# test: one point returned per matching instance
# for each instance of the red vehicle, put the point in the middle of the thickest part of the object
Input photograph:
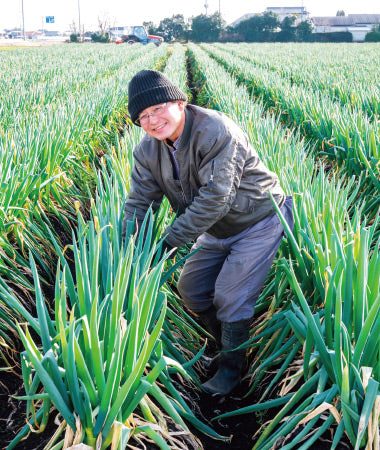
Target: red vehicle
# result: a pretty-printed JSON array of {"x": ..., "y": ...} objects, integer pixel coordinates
[{"x": 138, "y": 34}]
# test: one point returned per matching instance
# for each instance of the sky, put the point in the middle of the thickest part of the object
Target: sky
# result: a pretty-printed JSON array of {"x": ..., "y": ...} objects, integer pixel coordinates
[{"x": 127, "y": 12}]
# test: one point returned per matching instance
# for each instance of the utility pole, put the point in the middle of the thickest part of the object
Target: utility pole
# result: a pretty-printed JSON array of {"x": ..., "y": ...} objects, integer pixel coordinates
[
  {"x": 219, "y": 7},
  {"x": 79, "y": 17},
  {"x": 23, "y": 23}
]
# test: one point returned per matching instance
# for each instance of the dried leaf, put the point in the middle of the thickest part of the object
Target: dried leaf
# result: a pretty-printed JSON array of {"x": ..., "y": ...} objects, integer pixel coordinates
[{"x": 319, "y": 410}]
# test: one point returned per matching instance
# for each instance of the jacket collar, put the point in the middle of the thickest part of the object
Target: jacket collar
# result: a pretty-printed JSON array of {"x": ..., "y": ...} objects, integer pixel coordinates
[
  {"x": 186, "y": 132},
  {"x": 185, "y": 137}
]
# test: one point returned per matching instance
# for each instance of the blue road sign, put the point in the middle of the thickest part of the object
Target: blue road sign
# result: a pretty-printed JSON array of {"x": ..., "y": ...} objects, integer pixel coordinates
[{"x": 49, "y": 19}]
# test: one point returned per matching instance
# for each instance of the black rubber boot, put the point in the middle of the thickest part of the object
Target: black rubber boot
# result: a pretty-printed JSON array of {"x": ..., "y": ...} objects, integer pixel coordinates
[
  {"x": 231, "y": 361},
  {"x": 211, "y": 364},
  {"x": 211, "y": 324}
]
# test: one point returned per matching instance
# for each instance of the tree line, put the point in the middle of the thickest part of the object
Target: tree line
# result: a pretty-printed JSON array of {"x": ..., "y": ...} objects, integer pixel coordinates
[{"x": 264, "y": 27}]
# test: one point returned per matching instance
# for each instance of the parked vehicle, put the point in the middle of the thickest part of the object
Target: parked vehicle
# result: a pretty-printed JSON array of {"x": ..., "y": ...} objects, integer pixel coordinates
[{"x": 138, "y": 34}]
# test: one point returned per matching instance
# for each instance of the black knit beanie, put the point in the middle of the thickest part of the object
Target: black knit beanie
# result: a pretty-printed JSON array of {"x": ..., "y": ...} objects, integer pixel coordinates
[{"x": 148, "y": 88}]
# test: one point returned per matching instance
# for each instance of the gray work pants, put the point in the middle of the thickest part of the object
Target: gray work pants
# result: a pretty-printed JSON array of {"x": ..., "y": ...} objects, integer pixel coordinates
[{"x": 230, "y": 273}]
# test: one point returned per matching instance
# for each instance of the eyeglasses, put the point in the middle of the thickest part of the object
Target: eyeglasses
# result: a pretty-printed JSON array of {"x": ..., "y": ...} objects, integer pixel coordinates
[{"x": 157, "y": 111}]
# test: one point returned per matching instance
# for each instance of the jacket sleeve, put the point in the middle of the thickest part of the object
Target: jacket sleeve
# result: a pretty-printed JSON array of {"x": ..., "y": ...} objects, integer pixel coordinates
[
  {"x": 144, "y": 192},
  {"x": 220, "y": 178}
]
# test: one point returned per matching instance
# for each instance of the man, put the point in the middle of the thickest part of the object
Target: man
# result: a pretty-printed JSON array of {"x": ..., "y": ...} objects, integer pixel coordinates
[{"x": 204, "y": 164}]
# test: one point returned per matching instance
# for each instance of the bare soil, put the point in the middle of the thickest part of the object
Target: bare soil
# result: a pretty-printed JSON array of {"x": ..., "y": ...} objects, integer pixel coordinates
[
  {"x": 9, "y": 44},
  {"x": 240, "y": 429}
]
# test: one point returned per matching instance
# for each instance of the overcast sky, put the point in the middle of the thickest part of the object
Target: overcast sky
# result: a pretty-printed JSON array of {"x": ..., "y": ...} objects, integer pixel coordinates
[{"x": 127, "y": 12}]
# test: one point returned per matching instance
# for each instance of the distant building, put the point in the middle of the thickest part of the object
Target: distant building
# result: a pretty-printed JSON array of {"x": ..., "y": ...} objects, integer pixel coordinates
[
  {"x": 45, "y": 35},
  {"x": 299, "y": 12},
  {"x": 52, "y": 33},
  {"x": 34, "y": 34},
  {"x": 14, "y": 33},
  {"x": 357, "y": 24},
  {"x": 242, "y": 19}
]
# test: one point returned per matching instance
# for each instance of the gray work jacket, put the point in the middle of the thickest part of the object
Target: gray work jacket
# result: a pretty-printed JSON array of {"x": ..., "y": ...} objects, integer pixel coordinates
[{"x": 223, "y": 187}]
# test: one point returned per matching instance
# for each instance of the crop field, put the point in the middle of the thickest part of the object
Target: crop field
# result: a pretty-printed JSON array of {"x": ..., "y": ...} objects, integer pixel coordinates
[{"x": 96, "y": 346}]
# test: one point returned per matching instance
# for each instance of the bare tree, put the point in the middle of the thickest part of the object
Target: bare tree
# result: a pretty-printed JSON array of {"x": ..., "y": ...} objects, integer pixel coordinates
[
  {"x": 104, "y": 23},
  {"x": 73, "y": 27}
]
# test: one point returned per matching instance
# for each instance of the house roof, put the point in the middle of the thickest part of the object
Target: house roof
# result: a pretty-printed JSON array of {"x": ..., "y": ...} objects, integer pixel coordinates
[
  {"x": 242, "y": 18},
  {"x": 287, "y": 8},
  {"x": 281, "y": 9},
  {"x": 350, "y": 20},
  {"x": 327, "y": 21}
]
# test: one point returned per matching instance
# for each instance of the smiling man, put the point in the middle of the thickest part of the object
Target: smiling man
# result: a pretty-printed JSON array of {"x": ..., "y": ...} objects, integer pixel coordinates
[{"x": 213, "y": 178}]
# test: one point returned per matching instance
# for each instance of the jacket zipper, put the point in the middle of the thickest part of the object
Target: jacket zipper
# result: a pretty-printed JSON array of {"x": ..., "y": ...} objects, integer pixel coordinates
[
  {"x": 182, "y": 191},
  {"x": 175, "y": 164}
]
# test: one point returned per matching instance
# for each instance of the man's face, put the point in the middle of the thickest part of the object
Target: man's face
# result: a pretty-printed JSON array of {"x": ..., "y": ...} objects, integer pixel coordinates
[{"x": 164, "y": 121}]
